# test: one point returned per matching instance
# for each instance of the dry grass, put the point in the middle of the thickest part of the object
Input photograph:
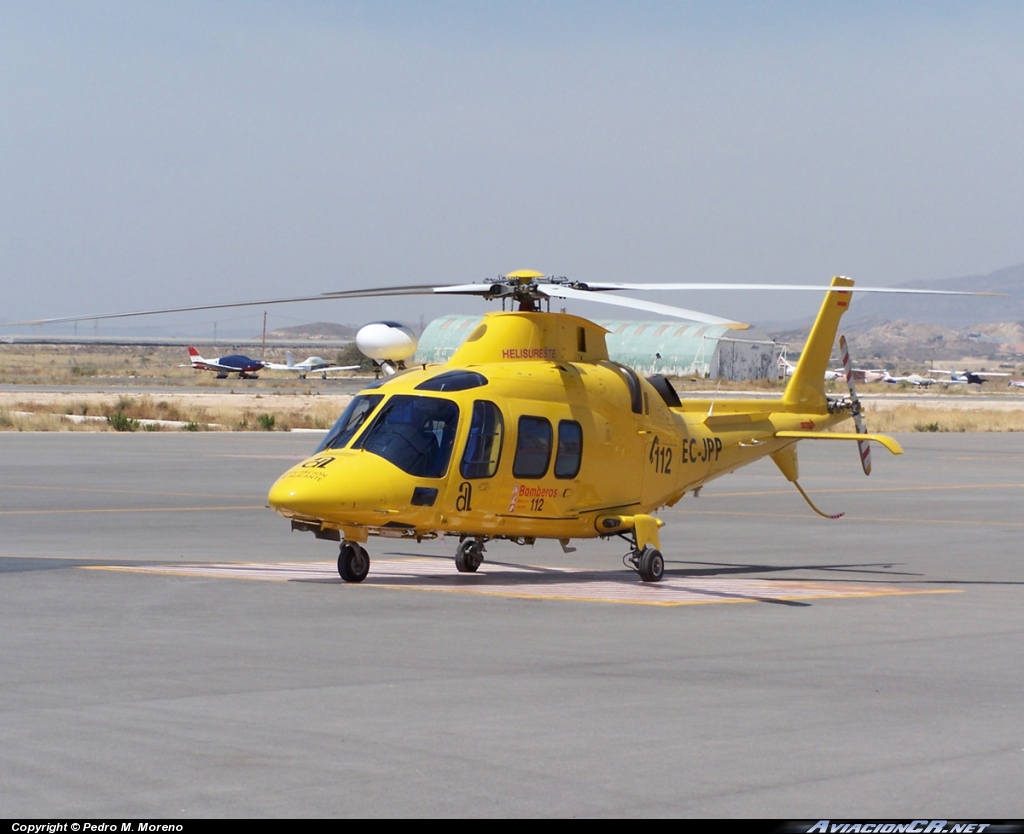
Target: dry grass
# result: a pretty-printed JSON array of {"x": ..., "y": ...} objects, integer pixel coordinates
[
  {"x": 909, "y": 418},
  {"x": 214, "y": 412},
  {"x": 283, "y": 404},
  {"x": 194, "y": 412},
  {"x": 11, "y": 420},
  {"x": 90, "y": 365}
]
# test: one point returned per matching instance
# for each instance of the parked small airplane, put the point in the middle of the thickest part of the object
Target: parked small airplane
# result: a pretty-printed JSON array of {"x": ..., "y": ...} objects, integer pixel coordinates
[
  {"x": 245, "y": 366},
  {"x": 916, "y": 380},
  {"x": 870, "y": 375},
  {"x": 1015, "y": 383},
  {"x": 312, "y": 364},
  {"x": 788, "y": 369},
  {"x": 967, "y": 377}
]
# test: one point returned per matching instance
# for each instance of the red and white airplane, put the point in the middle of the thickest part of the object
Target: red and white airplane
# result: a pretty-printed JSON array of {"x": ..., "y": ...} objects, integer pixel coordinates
[
  {"x": 245, "y": 366},
  {"x": 872, "y": 375}
]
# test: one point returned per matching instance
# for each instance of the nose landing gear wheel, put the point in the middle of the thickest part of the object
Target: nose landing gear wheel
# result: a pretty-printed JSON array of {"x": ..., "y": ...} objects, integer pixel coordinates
[
  {"x": 651, "y": 566},
  {"x": 469, "y": 556},
  {"x": 353, "y": 562}
]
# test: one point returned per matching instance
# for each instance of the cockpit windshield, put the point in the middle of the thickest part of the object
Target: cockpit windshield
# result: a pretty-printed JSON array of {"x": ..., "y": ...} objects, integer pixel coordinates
[
  {"x": 416, "y": 434},
  {"x": 350, "y": 421}
]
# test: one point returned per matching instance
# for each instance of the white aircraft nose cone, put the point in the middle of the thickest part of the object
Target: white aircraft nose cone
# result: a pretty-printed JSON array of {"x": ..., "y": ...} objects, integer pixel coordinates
[{"x": 382, "y": 340}]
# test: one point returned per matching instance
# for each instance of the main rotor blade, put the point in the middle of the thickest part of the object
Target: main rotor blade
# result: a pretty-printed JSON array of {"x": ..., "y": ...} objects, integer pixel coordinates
[
  {"x": 604, "y": 286},
  {"x": 412, "y": 289},
  {"x": 485, "y": 288},
  {"x": 189, "y": 309},
  {"x": 467, "y": 289},
  {"x": 415, "y": 289},
  {"x": 558, "y": 291}
]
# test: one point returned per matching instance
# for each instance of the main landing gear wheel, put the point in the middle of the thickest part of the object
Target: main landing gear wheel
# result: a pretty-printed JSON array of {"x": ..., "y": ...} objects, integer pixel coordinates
[
  {"x": 651, "y": 565},
  {"x": 353, "y": 562},
  {"x": 469, "y": 556}
]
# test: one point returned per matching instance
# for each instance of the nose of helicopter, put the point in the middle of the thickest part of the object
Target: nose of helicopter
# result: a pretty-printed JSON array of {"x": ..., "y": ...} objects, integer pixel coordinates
[
  {"x": 338, "y": 490},
  {"x": 293, "y": 496},
  {"x": 314, "y": 494}
]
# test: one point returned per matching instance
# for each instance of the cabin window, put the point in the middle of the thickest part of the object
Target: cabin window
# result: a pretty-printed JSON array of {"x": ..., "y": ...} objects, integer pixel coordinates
[
  {"x": 416, "y": 434},
  {"x": 350, "y": 421},
  {"x": 533, "y": 448},
  {"x": 570, "y": 449},
  {"x": 483, "y": 447}
]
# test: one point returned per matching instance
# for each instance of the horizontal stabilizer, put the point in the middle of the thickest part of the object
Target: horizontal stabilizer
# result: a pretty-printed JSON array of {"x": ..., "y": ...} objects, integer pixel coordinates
[{"x": 882, "y": 439}]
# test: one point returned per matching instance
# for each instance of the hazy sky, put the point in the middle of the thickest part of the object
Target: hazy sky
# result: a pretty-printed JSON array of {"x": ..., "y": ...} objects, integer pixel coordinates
[{"x": 154, "y": 154}]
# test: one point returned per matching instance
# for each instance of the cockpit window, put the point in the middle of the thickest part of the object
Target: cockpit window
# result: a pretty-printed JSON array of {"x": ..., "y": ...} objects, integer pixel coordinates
[
  {"x": 350, "y": 421},
  {"x": 416, "y": 434}
]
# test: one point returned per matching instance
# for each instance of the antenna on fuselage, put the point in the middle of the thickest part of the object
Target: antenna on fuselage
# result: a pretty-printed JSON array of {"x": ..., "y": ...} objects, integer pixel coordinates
[{"x": 711, "y": 408}]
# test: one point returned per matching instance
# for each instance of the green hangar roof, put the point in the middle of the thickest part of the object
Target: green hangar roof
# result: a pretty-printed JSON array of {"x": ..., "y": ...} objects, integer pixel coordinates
[{"x": 672, "y": 348}]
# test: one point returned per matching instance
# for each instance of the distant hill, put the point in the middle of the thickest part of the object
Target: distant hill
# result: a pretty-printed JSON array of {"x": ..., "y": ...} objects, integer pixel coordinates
[
  {"x": 948, "y": 311},
  {"x": 878, "y": 343},
  {"x": 317, "y": 330}
]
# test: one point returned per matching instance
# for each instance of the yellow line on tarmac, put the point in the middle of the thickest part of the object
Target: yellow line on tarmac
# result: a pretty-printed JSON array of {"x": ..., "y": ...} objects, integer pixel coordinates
[
  {"x": 178, "y": 573},
  {"x": 818, "y": 490},
  {"x": 219, "y": 495},
  {"x": 135, "y": 510}
]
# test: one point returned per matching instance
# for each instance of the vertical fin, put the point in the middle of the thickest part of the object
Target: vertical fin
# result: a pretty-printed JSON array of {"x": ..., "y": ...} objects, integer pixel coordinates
[
  {"x": 786, "y": 460},
  {"x": 806, "y": 388}
]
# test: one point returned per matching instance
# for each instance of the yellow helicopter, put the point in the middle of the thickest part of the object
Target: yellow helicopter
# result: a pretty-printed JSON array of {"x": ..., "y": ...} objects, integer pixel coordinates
[{"x": 530, "y": 432}]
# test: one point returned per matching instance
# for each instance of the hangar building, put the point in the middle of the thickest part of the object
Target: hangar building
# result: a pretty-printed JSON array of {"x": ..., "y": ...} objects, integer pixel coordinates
[{"x": 671, "y": 348}]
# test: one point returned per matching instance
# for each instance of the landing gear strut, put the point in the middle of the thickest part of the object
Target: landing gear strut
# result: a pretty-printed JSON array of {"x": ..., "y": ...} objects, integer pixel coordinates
[
  {"x": 649, "y": 563},
  {"x": 469, "y": 556},
  {"x": 353, "y": 562}
]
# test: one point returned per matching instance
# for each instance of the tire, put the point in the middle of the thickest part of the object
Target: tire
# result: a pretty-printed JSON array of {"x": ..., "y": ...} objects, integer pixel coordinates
[
  {"x": 652, "y": 565},
  {"x": 353, "y": 562},
  {"x": 468, "y": 557}
]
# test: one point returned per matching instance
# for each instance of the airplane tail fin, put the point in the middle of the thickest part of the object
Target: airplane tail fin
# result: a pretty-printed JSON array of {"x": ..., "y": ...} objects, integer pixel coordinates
[
  {"x": 289, "y": 360},
  {"x": 806, "y": 388}
]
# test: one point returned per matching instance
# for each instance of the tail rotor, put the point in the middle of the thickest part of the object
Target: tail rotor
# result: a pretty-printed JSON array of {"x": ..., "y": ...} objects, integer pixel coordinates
[{"x": 856, "y": 411}]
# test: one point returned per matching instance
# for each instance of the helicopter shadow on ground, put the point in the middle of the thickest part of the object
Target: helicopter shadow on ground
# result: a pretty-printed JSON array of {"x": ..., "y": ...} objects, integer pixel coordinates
[
  {"x": 866, "y": 573},
  {"x": 515, "y": 576},
  {"x": 868, "y": 570},
  {"x": 31, "y": 564}
]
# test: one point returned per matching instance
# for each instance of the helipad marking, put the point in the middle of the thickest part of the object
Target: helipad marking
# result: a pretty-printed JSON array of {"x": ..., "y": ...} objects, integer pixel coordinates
[{"x": 536, "y": 583}]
